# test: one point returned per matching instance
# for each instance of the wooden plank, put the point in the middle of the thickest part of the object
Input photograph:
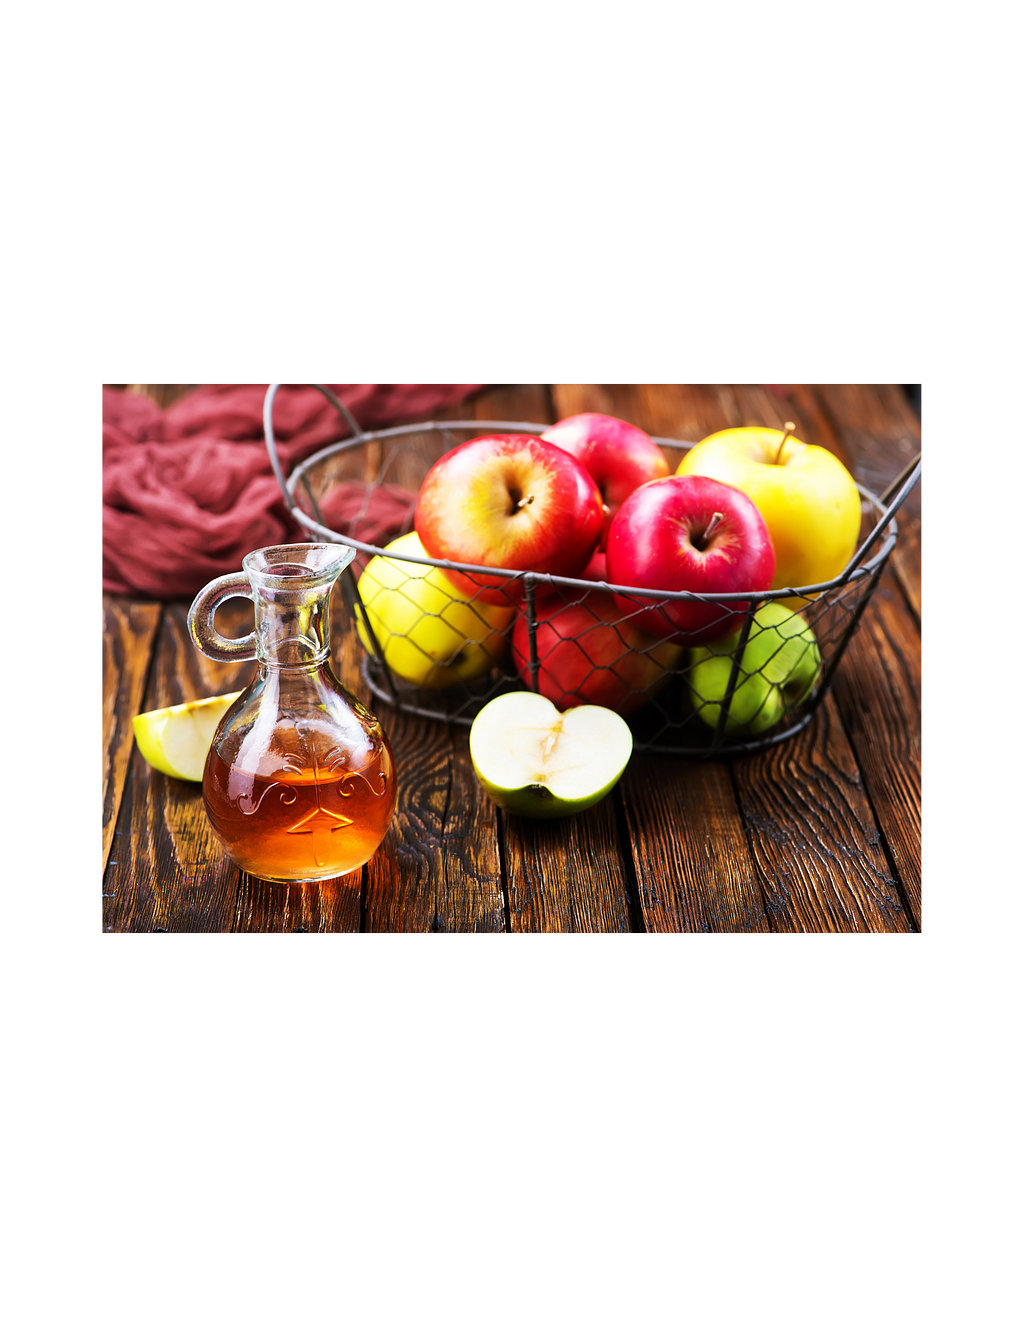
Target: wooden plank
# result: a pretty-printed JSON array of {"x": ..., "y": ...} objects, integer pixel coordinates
[
  {"x": 878, "y": 693},
  {"x": 439, "y": 868},
  {"x": 129, "y": 629},
  {"x": 692, "y": 858},
  {"x": 571, "y": 399},
  {"x": 880, "y": 430},
  {"x": 878, "y": 686},
  {"x": 669, "y": 411},
  {"x": 514, "y": 402},
  {"x": 566, "y": 875},
  {"x": 676, "y": 411},
  {"x": 167, "y": 871},
  {"x": 330, "y": 906},
  {"x": 821, "y": 863}
]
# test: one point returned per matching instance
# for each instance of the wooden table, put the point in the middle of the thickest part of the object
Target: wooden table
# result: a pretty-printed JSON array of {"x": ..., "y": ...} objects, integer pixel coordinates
[{"x": 818, "y": 834}]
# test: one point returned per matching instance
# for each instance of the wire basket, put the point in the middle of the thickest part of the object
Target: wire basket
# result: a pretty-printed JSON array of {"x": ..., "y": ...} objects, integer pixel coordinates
[{"x": 578, "y": 641}]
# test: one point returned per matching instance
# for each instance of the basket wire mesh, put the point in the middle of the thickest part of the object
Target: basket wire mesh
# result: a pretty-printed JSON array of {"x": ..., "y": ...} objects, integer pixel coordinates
[{"x": 571, "y": 639}]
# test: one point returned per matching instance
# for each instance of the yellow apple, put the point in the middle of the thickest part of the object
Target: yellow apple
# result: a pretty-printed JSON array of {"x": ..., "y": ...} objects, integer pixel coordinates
[
  {"x": 177, "y": 739},
  {"x": 431, "y": 634},
  {"x": 806, "y": 496}
]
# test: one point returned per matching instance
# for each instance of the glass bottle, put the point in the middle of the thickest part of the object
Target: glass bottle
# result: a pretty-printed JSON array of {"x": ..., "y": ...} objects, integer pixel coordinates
[{"x": 299, "y": 783}]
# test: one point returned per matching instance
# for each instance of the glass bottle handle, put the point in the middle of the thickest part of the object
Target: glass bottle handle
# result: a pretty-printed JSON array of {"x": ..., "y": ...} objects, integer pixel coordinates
[{"x": 205, "y": 636}]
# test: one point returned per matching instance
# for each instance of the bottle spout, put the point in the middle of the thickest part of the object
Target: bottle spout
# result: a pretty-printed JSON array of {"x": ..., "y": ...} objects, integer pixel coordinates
[{"x": 297, "y": 566}]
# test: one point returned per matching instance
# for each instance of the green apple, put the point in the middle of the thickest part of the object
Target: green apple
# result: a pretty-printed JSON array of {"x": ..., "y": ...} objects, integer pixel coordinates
[
  {"x": 536, "y": 761},
  {"x": 430, "y": 633},
  {"x": 778, "y": 670}
]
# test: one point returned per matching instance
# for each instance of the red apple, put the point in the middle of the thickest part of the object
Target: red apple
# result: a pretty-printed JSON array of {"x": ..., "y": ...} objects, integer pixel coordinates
[
  {"x": 512, "y": 501},
  {"x": 595, "y": 570},
  {"x": 589, "y": 654},
  {"x": 689, "y": 533},
  {"x": 618, "y": 455}
]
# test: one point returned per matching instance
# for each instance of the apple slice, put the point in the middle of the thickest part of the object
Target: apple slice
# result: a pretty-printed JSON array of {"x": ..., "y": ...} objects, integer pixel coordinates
[
  {"x": 176, "y": 740},
  {"x": 535, "y": 761}
]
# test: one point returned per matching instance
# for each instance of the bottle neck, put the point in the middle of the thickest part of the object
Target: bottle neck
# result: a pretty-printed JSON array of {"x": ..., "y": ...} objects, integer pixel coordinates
[{"x": 293, "y": 629}]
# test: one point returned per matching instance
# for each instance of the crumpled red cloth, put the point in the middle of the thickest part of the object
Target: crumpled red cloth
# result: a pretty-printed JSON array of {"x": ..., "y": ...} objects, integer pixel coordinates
[{"x": 187, "y": 492}]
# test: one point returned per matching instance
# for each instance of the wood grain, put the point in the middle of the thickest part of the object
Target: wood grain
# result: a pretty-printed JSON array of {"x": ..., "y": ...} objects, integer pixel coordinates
[
  {"x": 878, "y": 693},
  {"x": 129, "y": 630},
  {"x": 566, "y": 875},
  {"x": 820, "y": 861},
  {"x": 692, "y": 858},
  {"x": 439, "y": 868},
  {"x": 880, "y": 430},
  {"x": 166, "y": 872}
]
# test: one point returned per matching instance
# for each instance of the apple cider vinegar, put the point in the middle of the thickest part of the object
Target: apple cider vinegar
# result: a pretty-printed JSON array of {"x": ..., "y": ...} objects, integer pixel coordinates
[
  {"x": 299, "y": 783},
  {"x": 304, "y": 820}
]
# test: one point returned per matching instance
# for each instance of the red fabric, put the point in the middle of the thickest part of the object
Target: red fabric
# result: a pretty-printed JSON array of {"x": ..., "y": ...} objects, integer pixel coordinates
[{"x": 187, "y": 492}]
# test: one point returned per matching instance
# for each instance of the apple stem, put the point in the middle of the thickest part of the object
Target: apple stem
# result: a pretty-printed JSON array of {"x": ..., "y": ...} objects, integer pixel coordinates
[
  {"x": 712, "y": 525},
  {"x": 789, "y": 427},
  {"x": 525, "y": 502}
]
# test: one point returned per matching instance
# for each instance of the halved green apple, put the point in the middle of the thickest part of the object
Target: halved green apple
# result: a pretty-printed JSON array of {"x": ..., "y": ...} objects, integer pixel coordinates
[{"x": 536, "y": 761}]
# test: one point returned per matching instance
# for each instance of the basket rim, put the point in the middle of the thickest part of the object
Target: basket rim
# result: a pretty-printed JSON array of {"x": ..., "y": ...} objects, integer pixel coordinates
[{"x": 302, "y": 469}]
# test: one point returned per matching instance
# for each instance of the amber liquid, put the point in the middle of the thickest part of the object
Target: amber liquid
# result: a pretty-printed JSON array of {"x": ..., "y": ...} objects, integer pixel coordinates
[{"x": 300, "y": 817}]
